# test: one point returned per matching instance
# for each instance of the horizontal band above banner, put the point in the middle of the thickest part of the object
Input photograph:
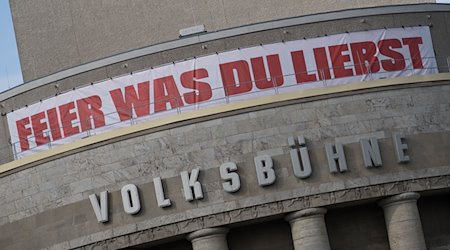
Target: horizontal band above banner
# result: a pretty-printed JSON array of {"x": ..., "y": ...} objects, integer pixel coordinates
[{"x": 221, "y": 78}]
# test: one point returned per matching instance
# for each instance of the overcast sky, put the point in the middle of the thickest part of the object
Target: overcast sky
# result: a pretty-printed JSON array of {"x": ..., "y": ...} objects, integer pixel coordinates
[{"x": 10, "y": 73}]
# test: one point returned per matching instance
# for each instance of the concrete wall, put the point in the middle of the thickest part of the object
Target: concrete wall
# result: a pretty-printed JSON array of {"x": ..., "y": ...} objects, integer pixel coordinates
[
  {"x": 55, "y": 35},
  {"x": 440, "y": 31},
  {"x": 47, "y": 204}
]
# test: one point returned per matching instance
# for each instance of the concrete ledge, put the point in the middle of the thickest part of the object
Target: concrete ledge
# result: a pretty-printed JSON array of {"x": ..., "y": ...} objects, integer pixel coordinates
[
  {"x": 305, "y": 213},
  {"x": 206, "y": 232}
]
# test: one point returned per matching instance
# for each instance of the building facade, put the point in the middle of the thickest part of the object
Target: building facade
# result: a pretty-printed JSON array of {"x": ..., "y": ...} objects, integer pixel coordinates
[{"x": 345, "y": 164}]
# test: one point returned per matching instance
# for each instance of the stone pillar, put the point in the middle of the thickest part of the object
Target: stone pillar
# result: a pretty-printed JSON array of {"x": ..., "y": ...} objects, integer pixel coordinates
[
  {"x": 403, "y": 222},
  {"x": 308, "y": 229},
  {"x": 209, "y": 238}
]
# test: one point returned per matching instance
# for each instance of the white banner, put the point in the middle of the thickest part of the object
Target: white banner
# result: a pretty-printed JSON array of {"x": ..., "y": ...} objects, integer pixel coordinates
[{"x": 221, "y": 78}]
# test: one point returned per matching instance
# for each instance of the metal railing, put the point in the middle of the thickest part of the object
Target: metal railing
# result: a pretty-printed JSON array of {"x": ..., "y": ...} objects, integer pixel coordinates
[{"x": 279, "y": 84}]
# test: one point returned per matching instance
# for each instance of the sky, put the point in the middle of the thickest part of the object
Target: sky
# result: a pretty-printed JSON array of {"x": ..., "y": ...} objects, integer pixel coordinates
[{"x": 10, "y": 72}]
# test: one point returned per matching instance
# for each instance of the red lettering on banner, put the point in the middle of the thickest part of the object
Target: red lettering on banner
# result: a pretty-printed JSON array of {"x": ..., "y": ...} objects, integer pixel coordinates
[
  {"x": 166, "y": 91},
  {"x": 125, "y": 105},
  {"x": 244, "y": 83},
  {"x": 23, "y": 133},
  {"x": 55, "y": 127},
  {"x": 338, "y": 60},
  {"x": 67, "y": 117},
  {"x": 301, "y": 72},
  {"x": 202, "y": 91},
  {"x": 323, "y": 67},
  {"x": 386, "y": 48},
  {"x": 313, "y": 60},
  {"x": 414, "y": 51},
  {"x": 365, "y": 52},
  {"x": 90, "y": 108},
  {"x": 38, "y": 128},
  {"x": 260, "y": 75}
]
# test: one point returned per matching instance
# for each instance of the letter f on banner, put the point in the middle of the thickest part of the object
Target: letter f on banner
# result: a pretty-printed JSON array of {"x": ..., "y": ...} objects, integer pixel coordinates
[{"x": 101, "y": 210}]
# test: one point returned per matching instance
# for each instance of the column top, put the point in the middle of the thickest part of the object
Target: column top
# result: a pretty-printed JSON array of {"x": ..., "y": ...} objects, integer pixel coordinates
[
  {"x": 305, "y": 213},
  {"x": 399, "y": 197},
  {"x": 206, "y": 232}
]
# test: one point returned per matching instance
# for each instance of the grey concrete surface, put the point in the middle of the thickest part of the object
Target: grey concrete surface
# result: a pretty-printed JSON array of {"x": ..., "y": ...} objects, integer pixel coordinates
[{"x": 87, "y": 31}]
